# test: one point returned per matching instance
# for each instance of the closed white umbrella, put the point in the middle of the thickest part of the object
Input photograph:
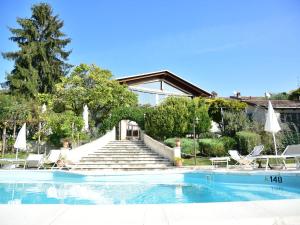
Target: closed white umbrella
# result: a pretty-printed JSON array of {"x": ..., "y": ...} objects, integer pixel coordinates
[
  {"x": 272, "y": 124},
  {"x": 214, "y": 127},
  {"x": 44, "y": 108},
  {"x": 21, "y": 140},
  {"x": 85, "y": 115}
]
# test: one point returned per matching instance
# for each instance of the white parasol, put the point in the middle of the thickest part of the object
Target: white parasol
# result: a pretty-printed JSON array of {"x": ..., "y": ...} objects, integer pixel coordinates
[{"x": 272, "y": 124}]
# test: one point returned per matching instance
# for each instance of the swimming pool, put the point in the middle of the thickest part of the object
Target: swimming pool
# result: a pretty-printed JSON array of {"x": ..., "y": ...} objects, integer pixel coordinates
[{"x": 58, "y": 187}]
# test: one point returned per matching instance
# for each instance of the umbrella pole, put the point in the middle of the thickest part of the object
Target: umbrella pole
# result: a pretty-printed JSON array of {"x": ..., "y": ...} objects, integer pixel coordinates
[
  {"x": 17, "y": 153},
  {"x": 274, "y": 143}
]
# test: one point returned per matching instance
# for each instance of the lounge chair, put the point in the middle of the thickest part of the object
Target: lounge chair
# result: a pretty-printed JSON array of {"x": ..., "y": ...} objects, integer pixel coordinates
[
  {"x": 33, "y": 161},
  {"x": 9, "y": 163},
  {"x": 247, "y": 160},
  {"x": 52, "y": 158},
  {"x": 291, "y": 151}
]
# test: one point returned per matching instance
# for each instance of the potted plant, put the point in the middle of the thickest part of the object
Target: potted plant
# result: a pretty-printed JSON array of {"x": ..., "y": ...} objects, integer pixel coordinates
[
  {"x": 177, "y": 142},
  {"x": 178, "y": 161}
]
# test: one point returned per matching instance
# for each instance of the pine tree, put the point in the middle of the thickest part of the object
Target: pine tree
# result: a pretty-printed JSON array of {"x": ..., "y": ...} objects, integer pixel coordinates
[{"x": 40, "y": 60}]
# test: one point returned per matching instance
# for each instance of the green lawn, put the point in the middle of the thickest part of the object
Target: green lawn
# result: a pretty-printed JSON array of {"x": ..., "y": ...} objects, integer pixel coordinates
[
  {"x": 21, "y": 155},
  {"x": 203, "y": 161}
]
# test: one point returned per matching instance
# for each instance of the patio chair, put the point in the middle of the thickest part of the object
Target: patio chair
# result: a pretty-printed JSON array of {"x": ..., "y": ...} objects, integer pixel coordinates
[
  {"x": 52, "y": 158},
  {"x": 291, "y": 151},
  {"x": 33, "y": 161},
  {"x": 247, "y": 160}
]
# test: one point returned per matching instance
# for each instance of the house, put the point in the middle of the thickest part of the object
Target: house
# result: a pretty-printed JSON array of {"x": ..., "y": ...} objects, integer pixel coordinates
[
  {"x": 288, "y": 111},
  {"x": 152, "y": 88}
]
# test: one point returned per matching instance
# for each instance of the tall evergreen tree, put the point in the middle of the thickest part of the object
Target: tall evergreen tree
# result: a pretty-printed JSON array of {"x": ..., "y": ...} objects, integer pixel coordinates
[{"x": 40, "y": 62}]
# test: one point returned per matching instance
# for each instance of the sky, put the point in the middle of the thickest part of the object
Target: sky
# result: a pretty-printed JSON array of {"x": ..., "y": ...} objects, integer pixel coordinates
[{"x": 218, "y": 45}]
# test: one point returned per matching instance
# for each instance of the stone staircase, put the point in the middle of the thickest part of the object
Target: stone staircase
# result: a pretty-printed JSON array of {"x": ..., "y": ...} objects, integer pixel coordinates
[{"x": 123, "y": 155}]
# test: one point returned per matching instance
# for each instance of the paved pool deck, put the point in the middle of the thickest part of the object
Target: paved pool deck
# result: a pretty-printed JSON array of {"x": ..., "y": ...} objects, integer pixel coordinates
[{"x": 276, "y": 212}]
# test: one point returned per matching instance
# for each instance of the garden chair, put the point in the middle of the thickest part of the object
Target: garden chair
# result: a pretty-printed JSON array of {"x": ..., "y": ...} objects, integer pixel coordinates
[
  {"x": 52, "y": 158},
  {"x": 291, "y": 151},
  {"x": 34, "y": 161},
  {"x": 247, "y": 160}
]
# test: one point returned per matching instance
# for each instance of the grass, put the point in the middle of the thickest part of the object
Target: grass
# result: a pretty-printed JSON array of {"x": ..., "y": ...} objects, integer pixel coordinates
[
  {"x": 203, "y": 161},
  {"x": 21, "y": 155}
]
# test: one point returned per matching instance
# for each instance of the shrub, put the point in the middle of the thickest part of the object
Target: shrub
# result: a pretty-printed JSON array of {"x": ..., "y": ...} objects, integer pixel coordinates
[
  {"x": 187, "y": 145},
  {"x": 290, "y": 138},
  {"x": 207, "y": 135},
  {"x": 229, "y": 142},
  {"x": 175, "y": 117},
  {"x": 212, "y": 147},
  {"x": 235, "y": 122},
  {"x": 246, "y": 141}
]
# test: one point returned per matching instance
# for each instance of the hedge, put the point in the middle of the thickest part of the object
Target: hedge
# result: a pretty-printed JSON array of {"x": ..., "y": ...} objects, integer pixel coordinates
[
  {"x": 187, "y": 145},
  {"x": 212, "y": 147},
  {"x": 246, "y": 141}
]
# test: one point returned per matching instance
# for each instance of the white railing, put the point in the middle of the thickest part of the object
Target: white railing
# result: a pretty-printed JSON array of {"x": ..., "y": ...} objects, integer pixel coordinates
[
  {"x": 160, "y": 148},
  {"x": 77, "y": 153}
]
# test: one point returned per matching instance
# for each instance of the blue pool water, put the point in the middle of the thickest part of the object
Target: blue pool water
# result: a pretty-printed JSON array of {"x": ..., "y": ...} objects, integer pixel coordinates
[{"x": 46, "y": 187}]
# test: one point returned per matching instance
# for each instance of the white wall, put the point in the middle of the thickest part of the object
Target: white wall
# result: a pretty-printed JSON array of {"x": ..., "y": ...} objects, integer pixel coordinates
[
  {"x": 123, "y": 129},
  {"x": 160, "y": 148},
  {"x": 77, "y": 153}
]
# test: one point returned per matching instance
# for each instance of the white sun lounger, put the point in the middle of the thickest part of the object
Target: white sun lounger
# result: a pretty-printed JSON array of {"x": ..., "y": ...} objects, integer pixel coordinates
[
  {"x": 247, "y": 160},
  {"x": 52, "y": 158},
  {"x": 9, "y": 163},
  {"x": 291, "y": 151},
  {"x": 33, "y": 161}
]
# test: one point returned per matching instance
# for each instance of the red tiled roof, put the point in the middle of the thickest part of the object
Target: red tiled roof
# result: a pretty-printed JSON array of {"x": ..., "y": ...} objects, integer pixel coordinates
[{"x": 277, "y": 104}]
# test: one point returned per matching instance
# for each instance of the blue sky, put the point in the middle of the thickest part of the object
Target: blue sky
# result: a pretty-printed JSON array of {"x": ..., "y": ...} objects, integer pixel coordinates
[{"x": 219, "y": 45}]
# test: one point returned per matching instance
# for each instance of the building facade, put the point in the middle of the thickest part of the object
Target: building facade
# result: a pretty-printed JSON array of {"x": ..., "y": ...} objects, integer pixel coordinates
[{"x": 152, "y": 89}]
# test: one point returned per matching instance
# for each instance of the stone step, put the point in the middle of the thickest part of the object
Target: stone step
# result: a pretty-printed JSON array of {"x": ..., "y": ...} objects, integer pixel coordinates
[
  {"x": 121, "y": 166},
  {"x": 122, "y": 169},
  {"x": 121, "y": 147},
  {"x": 123, "y": 153},
  {"x": 124, "y": 165},
  {"x": 121, "y": 158},
  {"x": 149, "y": 161}
]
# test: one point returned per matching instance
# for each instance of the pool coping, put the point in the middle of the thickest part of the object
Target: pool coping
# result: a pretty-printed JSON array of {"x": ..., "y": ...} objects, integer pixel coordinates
[
  {"x": 167, "y": 171},
  {"x": 272, "y": 212}
]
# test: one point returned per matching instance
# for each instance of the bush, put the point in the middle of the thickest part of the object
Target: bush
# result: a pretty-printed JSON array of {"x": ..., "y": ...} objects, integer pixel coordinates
[
  {"x": 207, "y": 135},
  {"x": 187, "y": 145},
  {"x": 235, "y": 122},
  {"x": 229, "y": 142},
  {"x": 246, "y": 141},
  {"x": 290, "y": 138},
  {"x": 212, "y": 147}
]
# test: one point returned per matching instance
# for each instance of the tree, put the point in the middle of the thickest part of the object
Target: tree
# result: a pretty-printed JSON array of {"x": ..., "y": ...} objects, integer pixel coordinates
[
  {"x": 175, "y": 117},
  {"x": 40, "y": 60},
  {"x": 279, "y": 96},
  {"x": 235, "y": 122},
  {"x": 13, "y": 111},
  {"x": 93, "y": 86},
  {"x": 295, "y": 95},
  {"x": 216, "y": 105}
]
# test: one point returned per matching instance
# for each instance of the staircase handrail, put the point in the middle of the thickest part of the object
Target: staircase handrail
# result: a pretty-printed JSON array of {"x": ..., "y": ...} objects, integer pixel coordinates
[
  {"x": 75, "y": 154},
  {"x": 160, "y": 148}
]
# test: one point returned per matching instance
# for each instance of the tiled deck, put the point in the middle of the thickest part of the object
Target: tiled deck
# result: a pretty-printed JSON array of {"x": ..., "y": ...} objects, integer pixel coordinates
[{"x": 279, "y": 212}]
